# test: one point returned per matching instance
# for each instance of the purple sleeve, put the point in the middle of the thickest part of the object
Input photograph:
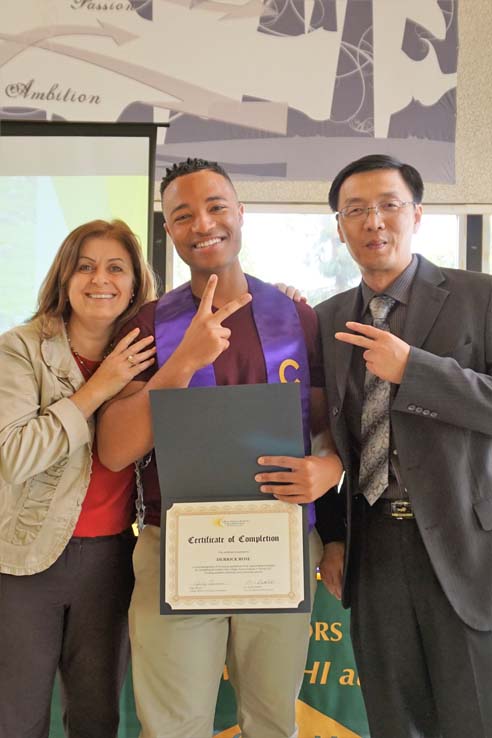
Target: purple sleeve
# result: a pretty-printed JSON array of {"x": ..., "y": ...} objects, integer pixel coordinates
[{"x": 309, "y": 322}]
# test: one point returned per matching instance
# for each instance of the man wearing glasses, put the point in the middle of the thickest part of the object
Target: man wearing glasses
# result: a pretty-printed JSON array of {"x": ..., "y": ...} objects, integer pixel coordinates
[{"x": 408, "y": 540}]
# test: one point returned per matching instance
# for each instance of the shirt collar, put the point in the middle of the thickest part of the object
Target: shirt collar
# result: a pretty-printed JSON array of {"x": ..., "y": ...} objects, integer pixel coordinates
[{"x": 399, "y": 290}]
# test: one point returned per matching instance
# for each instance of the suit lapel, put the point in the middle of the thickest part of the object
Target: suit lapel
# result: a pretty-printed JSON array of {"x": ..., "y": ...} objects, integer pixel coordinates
[
  {"x": 425, "y": 304},
  {"x": 347, "y": 310}
]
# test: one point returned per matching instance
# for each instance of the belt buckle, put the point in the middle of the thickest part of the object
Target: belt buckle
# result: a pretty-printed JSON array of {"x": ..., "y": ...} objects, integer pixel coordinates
[{"x": 401, "y": 509}]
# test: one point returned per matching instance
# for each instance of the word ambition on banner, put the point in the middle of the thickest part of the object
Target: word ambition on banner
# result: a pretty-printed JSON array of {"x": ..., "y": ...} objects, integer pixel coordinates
[{"x": 28, "y": 91}]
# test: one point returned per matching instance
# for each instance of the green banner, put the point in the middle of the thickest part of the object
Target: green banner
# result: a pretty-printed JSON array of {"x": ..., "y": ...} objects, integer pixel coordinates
[{"x": 330, "y": 703}]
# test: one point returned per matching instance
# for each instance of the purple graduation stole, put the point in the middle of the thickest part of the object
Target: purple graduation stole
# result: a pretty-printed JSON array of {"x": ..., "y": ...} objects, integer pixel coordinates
[{"x": 279, "y": 329}]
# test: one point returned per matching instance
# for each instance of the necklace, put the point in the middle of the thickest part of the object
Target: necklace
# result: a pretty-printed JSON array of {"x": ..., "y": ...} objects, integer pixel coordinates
[
  {"x": 74, "y": 351},
  {"x": 81, "y": 361},
  {"x": 90, "y": 370}
]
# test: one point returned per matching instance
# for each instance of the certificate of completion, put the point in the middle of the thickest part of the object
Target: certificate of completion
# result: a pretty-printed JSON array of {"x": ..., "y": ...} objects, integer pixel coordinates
[
  {"x": 234, "y": 555},
  {"x": 225, "y": 546}
]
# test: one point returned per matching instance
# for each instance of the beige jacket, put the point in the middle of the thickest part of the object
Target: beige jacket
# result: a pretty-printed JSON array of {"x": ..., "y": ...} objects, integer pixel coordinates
[{"x": 45, "y": 449}]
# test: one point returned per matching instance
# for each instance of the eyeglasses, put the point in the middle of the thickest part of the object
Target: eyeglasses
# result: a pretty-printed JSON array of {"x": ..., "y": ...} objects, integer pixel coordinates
[{"x": 389, "y": 208}]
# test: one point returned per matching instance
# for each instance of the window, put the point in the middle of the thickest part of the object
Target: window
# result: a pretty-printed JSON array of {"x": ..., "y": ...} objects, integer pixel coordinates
[
  {"x": 54, "y": 177},
  {"x": 303, "y": 249}
]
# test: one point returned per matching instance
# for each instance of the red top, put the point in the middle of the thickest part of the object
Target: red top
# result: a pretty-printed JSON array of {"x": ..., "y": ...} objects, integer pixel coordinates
[
  {"x": 109, "y": 504},
  {"x": 242, "y": 363}
]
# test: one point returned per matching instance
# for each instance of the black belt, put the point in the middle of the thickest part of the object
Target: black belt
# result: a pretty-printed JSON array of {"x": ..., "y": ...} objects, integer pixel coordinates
[{"x": 396, "y": 509}]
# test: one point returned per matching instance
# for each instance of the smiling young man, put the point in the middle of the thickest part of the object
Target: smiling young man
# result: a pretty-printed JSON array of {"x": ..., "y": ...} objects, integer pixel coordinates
[
  {"x": 410, "y": 389},
  {"x": 248, "y": 331}
]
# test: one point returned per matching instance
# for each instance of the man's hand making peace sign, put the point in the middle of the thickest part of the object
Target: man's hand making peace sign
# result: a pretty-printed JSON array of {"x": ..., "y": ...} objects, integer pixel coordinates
[
  {"x": 385, "y": 354},
  {"x": 206, "y": 338}
]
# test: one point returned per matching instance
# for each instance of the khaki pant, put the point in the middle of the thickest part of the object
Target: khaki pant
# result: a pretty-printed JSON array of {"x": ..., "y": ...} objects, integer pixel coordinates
[{"x": 178, "y": 660}]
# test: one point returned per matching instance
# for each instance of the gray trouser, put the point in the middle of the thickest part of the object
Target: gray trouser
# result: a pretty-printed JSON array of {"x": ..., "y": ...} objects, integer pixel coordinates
[
  {"x": 424, "y": 673},
  {"x": 71, "y": 617}
]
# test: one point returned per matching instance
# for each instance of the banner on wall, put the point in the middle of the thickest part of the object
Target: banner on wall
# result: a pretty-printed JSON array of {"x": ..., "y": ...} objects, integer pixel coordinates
[
  {"x": 330, "y": 702},
  {"x": 270, "y": 88}
]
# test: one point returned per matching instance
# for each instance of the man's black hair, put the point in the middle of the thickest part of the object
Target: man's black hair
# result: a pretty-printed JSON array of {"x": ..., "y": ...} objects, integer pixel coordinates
[
  {"x": 369, "y": 163},
  {"x": 190, "y": 166}
]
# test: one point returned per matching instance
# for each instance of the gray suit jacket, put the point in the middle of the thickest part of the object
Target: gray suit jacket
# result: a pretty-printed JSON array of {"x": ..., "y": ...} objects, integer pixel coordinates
[{"x": 442, "y": 424}]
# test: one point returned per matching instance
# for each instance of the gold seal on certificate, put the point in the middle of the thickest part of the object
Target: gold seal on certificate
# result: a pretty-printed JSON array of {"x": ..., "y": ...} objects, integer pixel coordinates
[{"x": 234, "y": 555}]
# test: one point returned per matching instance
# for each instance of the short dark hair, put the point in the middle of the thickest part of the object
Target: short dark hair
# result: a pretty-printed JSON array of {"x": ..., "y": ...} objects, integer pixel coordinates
[
  {"x": 369, "y": 163},
  {"x": 190, "y": 166}
]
